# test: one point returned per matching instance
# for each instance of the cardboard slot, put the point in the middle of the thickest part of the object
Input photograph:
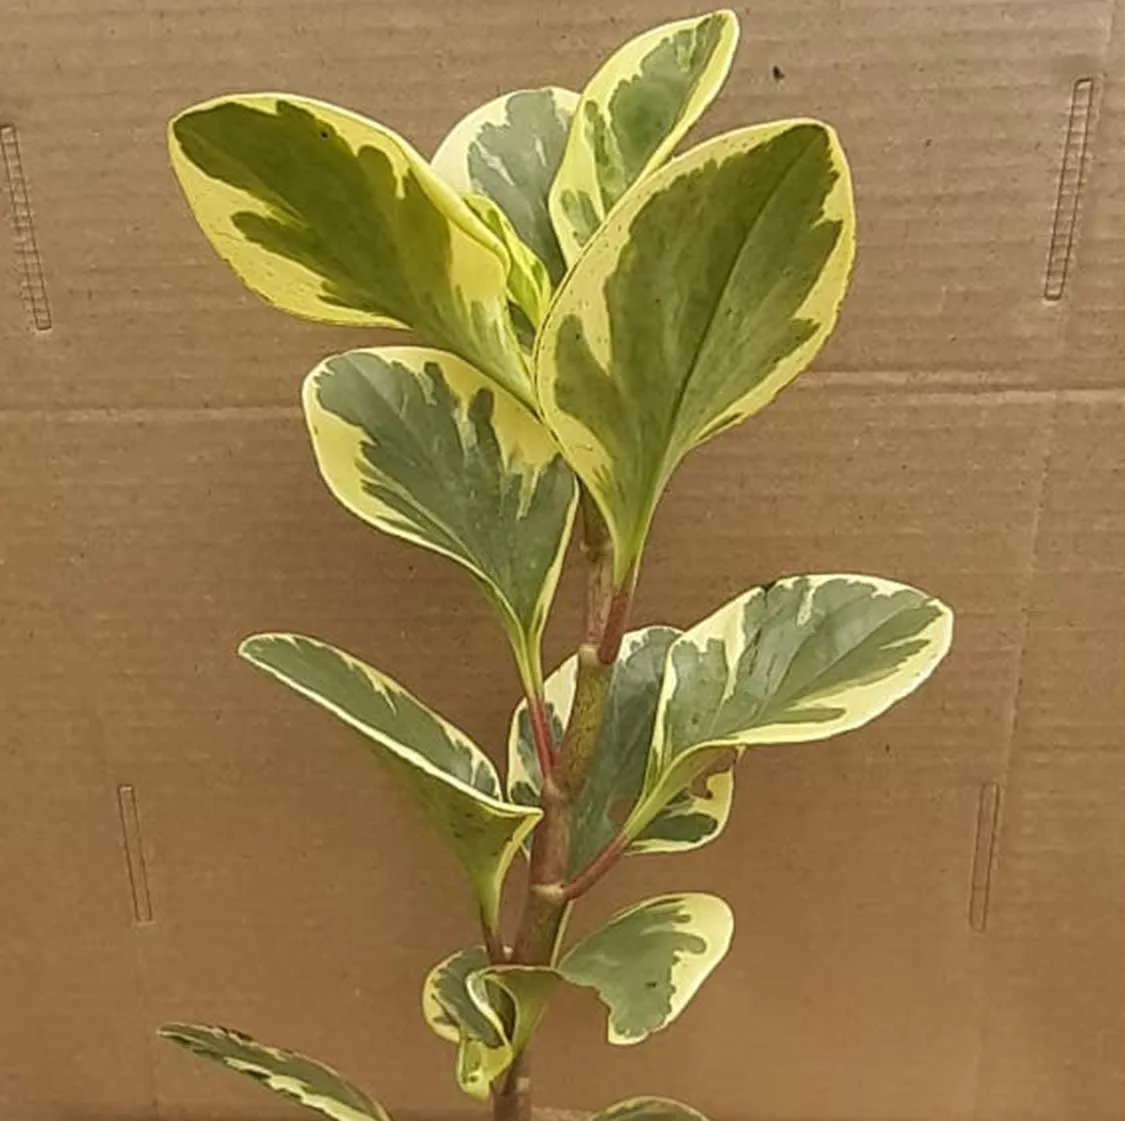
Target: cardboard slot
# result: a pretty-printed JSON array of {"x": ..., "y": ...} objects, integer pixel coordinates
[
  {"x": 988, "y": 816},
  {"x": 1071, "y": 180},
  {"x": 134, "y": 855},
  {"x": 32, "y": 282}
]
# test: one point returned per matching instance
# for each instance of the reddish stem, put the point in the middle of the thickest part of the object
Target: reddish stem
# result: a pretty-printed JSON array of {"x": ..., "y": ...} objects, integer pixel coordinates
[
  {"x": 541, "y": 734},
  {"x": 597, "y": 868}
]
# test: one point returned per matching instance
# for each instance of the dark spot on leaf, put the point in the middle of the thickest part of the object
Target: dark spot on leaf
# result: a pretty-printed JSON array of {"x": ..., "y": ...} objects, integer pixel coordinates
[
  {"x": 324, "y": 134},
  {"x": 778, "y": 74},
  {"x": 650, "y": 984}
]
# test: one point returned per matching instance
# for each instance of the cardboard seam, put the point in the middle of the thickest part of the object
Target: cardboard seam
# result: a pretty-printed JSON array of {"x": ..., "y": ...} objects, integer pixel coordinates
[
  {"x": 33, "y": 284},
  {"x": 1015, "y": 395},
  {"x": 996, "y": 845},
  {"x": 1077, "y": 147}
]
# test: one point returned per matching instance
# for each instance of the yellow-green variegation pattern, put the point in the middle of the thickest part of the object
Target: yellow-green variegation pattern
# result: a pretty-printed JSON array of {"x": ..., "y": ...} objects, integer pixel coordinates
[
  {"x": 648, "y": 1109},
  {"x": 449, "y": 776},
  {"x": 709, "y": 288},
  {"x": 301, "y": 1079},
  {"x": 796, "y": 661},
  {"x": 421, "y": 445},
  {"x": 529, "y": 286},
  {"x": 647, "y": 962},
  {"x": 631, "y": 116},
  {"x": 488, "y": 1011},
  {"x": 333, "y": 217},
  {"x": 509, "y": 151},
  {"x": 617, "y": 768}
]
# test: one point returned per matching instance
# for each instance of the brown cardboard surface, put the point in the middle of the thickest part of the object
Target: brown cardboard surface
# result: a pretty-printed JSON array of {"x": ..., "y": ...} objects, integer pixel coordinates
[{"x": 896, "y": 956}]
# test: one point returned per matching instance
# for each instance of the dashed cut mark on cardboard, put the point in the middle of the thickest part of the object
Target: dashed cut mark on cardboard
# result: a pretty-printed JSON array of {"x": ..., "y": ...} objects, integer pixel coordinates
[
  {"x": 33, "y": 286},
  {"x": 1072, "y": 178},
  {"x": 988, "y": 820},
  {"x": 134, "y": 855}
]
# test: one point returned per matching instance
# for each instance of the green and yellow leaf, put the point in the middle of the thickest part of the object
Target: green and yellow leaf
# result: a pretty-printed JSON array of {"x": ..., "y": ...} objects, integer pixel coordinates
[
  {"x": 332, "y": 217},
  {"x": 709, "y": 289},
  {"x": 509, "y": 151},
  {"x": 617, "y": 767},
  {"x": 631, "y": 116},
  {"x": 648, "y": 1109},
  {"x": 456, "y": 1013},
  {"x": 489, "y": 1011},
  {"x": 449, "y": 776},
  {"x": 801, "y": 660},
  {"x": 419, "y": 444},
  {"x": 529, "y": 286},
  {"x": 303, "y": 1080},
  {"x": 647, "y": 962}
]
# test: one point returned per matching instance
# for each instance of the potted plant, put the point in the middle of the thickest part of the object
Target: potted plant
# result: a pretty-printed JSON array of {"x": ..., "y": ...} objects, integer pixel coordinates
[{"x": 589, "y": 308}]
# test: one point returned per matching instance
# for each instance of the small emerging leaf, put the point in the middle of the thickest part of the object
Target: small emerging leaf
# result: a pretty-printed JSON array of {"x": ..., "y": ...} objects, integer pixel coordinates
[
  {"x": 647, "y": 962},
  {"x": 419, "y": 444},
  {"x": 509, "y": 151},
  {"x": 330, "y": 216},
  {"x": 631, "y": 116},
  {"x": 452, "y": 780},
  {"x": 489, "y": 1011},
  {"x": 710, "y": 288},
  {"x": 529, "y": 286},
  {"x": 617, "y": 767},
  {"x": 303, "y": 1080},
  {"x": 800, "y": 660}
]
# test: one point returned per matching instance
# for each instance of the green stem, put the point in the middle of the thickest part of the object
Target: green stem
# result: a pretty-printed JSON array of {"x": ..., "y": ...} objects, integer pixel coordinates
[{"x": 547, "y": 904}]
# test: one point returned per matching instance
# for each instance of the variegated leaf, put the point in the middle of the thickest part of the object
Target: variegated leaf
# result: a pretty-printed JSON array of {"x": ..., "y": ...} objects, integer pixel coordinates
[
  {"x": 308, "y": 1082},
  {"x": 455, "y": 1013},
  {"x": 647, "y": 962},
  {"x": 648, "y": 1109},
  {"x": 489, "y": 1011},
  {"x": 617, "y": 767},
  {"x": 529, "y": 286},
  {"x": 333, "y": 217},
  {"x": 421, "y": 445},
  {"x": 800, "y": 660},
  {"x": 710, "y": 288},
  {"x": 631, "y": 116},
  {"x": 452, "y": 780},
  {"x": 509, "y": 151}
]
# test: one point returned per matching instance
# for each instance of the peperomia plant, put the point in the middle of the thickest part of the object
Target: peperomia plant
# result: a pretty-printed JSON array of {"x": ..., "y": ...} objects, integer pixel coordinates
[{"x": 590, "y": 309}]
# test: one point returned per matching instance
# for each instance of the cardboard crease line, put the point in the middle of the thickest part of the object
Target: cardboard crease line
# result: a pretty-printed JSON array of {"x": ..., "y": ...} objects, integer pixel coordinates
[{"x": 33, "y": 285}]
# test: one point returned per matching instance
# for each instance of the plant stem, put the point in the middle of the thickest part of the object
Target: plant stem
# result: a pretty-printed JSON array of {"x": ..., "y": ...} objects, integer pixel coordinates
[
  {"x": 541, "y": 733},
  {"x": 607, "y": 614},
  {"x": 493, "y": 942},
  {"x": 548, "y": 900},
  {"x": 597, "y": 868}
]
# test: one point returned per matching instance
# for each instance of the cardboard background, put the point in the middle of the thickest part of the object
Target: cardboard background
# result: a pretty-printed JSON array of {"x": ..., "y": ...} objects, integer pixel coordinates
[{"x": 896, "y": 956}]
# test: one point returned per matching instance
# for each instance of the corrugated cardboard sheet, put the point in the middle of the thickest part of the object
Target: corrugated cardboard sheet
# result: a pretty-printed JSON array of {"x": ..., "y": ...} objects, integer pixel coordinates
[{"x": 931, "y": 913}]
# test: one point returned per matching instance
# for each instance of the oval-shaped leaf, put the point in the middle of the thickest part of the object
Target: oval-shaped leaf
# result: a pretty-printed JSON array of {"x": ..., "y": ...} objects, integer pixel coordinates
[
  {"x": 647, "y": 962},
  {"x": 419, "y": 444},
  {"x": 648, "y": 1109},
  {"x": 332, "y": 217},
  {"x": 306, "y": 1081},
  {"x": 800, "y": 660},
  {"x": 509, "y": 151},
  {"x": 618, "y": 765},
  {"x": 452, "y": 780},
  {"x": 489, "y": 1011},
  {"x": 633, "y": 113},
  {"x": 706, "y": 292}
]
